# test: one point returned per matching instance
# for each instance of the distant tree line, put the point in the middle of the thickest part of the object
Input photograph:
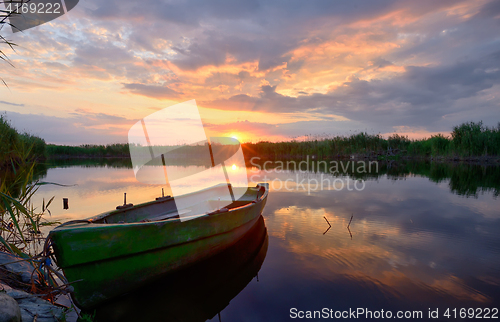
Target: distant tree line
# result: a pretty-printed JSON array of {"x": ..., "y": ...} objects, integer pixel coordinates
[
  {"x": 470, "y": 139},
  {"x": 467, "y": 140},
  {"x": 88, "y": 150},
  {"x": 18, "y": 148}
]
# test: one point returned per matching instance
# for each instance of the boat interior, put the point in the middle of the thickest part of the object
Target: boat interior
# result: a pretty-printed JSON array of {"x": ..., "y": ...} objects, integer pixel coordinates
[{"x": 201, "y": 203}]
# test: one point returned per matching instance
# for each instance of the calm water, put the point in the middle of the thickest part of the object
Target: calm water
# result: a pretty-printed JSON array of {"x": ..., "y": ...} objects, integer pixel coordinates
[{"x": 422, "y": 237}]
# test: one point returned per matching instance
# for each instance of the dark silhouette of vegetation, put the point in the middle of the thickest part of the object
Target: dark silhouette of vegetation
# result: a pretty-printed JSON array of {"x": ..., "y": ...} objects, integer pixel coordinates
[
  {"x": 467, "y": 140},
  {"x": 20, "y": 221},
  {"x": 88, "y": 150},
  {"x": 18, "y": 149}
]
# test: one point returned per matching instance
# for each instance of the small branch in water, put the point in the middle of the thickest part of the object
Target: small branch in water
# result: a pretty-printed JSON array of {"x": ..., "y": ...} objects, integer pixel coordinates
[
  {"x": 329, "y": 225},
  {"x": 349, "y": 231},
  {"x": 350, "y": 221}
]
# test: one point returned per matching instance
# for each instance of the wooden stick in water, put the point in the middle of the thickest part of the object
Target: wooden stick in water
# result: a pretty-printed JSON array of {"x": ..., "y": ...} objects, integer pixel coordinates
[
  {"x": 350, "y": 221},
  {"x": 327, "y": 221}
]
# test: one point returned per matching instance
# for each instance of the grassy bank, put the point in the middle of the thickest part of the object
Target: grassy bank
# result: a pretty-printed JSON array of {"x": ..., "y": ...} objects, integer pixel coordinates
[
  {"x": 20, "y": 221},
  {"x": 467, "y": 140},
  {"x": 18, "y": 148}
]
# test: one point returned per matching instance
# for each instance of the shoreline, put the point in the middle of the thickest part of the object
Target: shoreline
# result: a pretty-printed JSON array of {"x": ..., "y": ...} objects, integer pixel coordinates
[{"x": 472, "y": 160}]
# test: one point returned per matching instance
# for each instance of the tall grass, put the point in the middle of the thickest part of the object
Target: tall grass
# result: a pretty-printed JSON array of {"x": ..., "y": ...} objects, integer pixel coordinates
[
  {"x": 20, "y": 220},
  {"x": 436, "y": 145},
  {"x": 17, "y": 149},
  {"x": 331, "y": 147},
  {"x": 468, "y": 139}
]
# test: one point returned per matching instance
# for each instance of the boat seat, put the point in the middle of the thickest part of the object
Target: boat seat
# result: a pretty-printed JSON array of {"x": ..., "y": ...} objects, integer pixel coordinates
[{"x": 171, "y": 214}]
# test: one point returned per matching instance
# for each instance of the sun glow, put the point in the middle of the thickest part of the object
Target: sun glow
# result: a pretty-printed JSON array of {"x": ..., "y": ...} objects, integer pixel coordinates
[{"x": 242, "y": 137}]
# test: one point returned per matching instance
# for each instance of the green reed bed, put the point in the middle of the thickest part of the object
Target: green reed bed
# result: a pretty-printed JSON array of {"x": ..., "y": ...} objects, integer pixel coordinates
[
  {"x": 16, "y": 148},
  {"x": 20, "y": 219},
  {"x": 467, "y": 140}
]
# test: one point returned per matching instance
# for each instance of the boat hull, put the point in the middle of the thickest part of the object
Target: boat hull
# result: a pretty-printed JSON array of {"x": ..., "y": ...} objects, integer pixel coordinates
[{"x": 197, "y": 293}]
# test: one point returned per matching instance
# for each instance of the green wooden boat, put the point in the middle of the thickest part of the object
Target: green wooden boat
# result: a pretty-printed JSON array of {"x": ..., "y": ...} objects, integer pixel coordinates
[{"x": 118, "y": 251}]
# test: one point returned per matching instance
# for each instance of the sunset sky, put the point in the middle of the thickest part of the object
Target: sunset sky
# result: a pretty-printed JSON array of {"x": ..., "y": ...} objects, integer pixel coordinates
[{"x": 258, "y": 70}]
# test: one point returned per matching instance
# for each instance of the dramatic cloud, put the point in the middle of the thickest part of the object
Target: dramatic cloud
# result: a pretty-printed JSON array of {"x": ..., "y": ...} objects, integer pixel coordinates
[
  {"x": 416, "y": 97},
  {"x": 379, "y": 65},
  {"x": 154, "y": 91}
]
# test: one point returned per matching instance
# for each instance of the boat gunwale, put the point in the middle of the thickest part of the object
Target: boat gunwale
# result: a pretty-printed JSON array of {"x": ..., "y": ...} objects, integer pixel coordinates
[{"x": 90, "y": 222}]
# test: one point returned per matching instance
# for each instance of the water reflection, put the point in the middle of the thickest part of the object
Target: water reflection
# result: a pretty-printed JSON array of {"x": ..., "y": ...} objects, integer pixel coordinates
[
  {"x": 464, "y": 179},
  {"x": 417, "y": 242},
  {"x": 198, "y": 293},
  {"x": 90, "y": 162},
  {"x": 468, "y": 180},
  {"x": 413, "y": 246}
]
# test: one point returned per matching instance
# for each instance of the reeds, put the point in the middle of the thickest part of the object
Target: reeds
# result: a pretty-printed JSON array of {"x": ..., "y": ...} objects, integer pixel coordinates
[
  {"x": 20, "y": 221},
  {"x": 17, "y": 149},
  {"x": 471, "y": 139},
  {"x": 322, "y": 147},
  {"x": 88, "y": 150},
  {"x": 468, "y": 139}
]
